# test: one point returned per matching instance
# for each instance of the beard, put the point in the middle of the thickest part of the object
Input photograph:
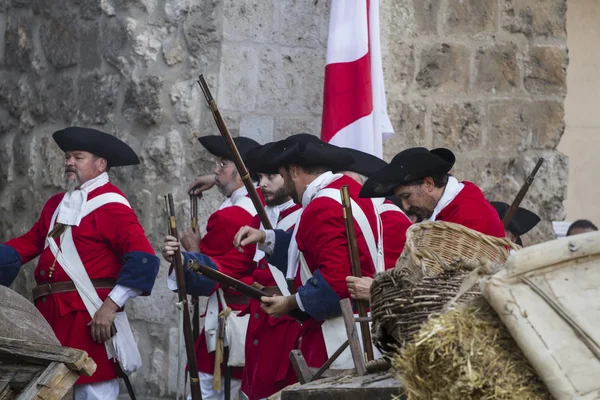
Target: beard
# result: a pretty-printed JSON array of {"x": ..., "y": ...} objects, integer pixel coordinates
[
  {"x": 279, "y": 197},
  {"x": 71, "y": 182}
]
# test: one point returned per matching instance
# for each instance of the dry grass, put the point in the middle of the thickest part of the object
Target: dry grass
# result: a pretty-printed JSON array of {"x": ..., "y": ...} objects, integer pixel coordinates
[{"x": 467, "y": 353}]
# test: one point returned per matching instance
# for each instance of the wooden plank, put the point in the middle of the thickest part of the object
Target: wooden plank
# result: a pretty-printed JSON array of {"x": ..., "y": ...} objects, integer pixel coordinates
[
  {"x": 303, "y": 373},
  {"x": 355, "y": 347},
  {"x": 53, "y": 384},
  {"x": 18, "y": 376},
  {"x": 330, "y": 361},
  {"x": 6, "y": 393},
  {"x": 43, "y": 354}
]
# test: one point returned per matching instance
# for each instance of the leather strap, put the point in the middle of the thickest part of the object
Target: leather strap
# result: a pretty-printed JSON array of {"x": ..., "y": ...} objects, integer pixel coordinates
[{"x": 46, "y": 288}]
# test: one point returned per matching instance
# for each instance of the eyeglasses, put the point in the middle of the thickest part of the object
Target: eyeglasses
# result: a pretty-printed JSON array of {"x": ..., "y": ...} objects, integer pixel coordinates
[{"x": 222, "y": 165}]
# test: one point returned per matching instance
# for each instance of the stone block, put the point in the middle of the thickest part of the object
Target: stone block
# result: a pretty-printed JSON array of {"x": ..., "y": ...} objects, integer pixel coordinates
[
  {"x": 163, "y": 155},
  {"x": 535, "y": 17},
  {"x": 238, "y": 77},
  {"x": 51, "y": 163},
  {"x": 515, "y": 125},
  {"x": 457, "y": 127},
  {"x": 302, "y": 23},
  {"x": 90, "y": 45},
  {"x": 59, "y": 97},
  {"x": 546, "y": 70},
  {"x": 176, "y": 10},
  {"x": 148, "y": 43},
  {"x": 409, "y": 122},
  {"x": 173, "y": 49},
  {"x": 287, "y": 126},
  {"x": 250, "y": 20},
  {"x": 18, "y": 43},
  {"x": 257, "y": 127},
  {"x": 409, "y": 18},
  {"x": 187, "y": 103},
  {"x": 202, "y": 35},
  {"x": 59, "y": 36},
  {"x": 114, "y": 39},
  {"x": 291, "y": 80},
  {"x": 142, "y": 100},
  {"x": 90, "y": 9},
  {"x": 444, "y": 68},
  {"x": 498, "y": 68},
  {"x": 398, "y": 69},
  {"x": 98, "y": 97},
  {"x": 471, "y": 16}
]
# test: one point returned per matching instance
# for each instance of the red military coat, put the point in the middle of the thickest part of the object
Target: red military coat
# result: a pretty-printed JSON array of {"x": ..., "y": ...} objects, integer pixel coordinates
[
  {"x": 217, "y": 243},
  {"x": 321, "y": 237},
  {"x": 102, "y": 238},
  {"x": 269, "y": 340},
  {"x": 470, "y": 208},
  {"x": 395, "y": 224}
]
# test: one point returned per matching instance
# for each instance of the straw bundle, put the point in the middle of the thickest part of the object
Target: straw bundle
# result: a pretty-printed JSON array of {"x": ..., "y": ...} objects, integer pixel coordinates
[{"x": 467, "y": 353}]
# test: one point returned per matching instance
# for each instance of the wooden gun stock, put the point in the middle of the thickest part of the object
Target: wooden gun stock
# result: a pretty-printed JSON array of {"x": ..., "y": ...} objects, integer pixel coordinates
[
  {"x": 195, "y": 300},
  {"x": 355, "y": 264},
  {"x": 238, "y": 286},
  {"x": 187, "y": 326},
  {"x": 235, "y": 154},
  {"x": 522, "y": 192}
]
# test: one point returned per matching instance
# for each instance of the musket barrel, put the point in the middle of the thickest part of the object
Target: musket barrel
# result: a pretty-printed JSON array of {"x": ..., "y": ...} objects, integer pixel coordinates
[{"x": 521, "y": 195}]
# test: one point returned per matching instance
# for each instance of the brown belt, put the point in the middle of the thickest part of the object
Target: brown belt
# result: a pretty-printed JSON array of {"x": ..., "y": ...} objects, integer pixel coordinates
[{"x": 47, "y": 288}]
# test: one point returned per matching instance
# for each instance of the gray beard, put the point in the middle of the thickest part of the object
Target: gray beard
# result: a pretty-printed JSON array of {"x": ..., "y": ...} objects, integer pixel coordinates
[{"x": 70, "y": 184}]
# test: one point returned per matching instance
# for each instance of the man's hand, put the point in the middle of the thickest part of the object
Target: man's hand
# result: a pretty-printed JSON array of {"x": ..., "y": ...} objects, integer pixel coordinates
[
  {"x": 190, "y": 239},
  {"x": 246, "y": 236},
  {"x": 168, "y": 248},
  {"x": 202, "y": 184},
  {"x": 278, "y": 306},
  {"x": 103, "y": 319},
  {"x": 359, "y": 288}
]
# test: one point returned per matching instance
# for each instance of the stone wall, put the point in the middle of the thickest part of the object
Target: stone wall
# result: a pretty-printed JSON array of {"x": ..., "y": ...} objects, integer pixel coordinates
[{"x": 485, "y": 78}]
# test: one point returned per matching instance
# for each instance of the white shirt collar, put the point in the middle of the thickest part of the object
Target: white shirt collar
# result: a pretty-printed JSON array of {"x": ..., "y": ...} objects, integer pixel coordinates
[{"x": 452, "y": 189}]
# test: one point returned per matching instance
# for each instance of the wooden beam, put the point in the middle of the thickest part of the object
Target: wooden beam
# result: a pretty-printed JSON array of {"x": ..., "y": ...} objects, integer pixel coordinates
[
  {"x": 54, "y": 383},
  {"x": 355, "y": 347},
  {"x": 18, "y": 376},
  {"x": 302, "y": 370}
]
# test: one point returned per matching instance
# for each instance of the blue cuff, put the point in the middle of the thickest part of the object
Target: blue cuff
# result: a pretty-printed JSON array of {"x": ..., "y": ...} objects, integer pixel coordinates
[
  {"x": 279, "y": 258},
  {"x": 320, "y": 301},
  {"x": 10, "y": 264},
  {"x": 139, "y": 271},
  {"x": 198, "y": 285}
]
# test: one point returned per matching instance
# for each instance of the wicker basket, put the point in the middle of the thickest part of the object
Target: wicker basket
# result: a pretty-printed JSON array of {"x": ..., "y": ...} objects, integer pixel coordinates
[{"x": 438, "y": 256}]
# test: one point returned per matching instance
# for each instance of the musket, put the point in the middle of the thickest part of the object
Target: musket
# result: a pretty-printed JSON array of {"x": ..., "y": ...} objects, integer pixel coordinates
[
  {"x": 231, "y": 283},
  {"x": 187, "y": 326},
  {"x": 355, "y": 264},
  {"x": 235, "y": 154},
  {"x": 517, "y": 201},
  {"x": 195, "y": 305}
]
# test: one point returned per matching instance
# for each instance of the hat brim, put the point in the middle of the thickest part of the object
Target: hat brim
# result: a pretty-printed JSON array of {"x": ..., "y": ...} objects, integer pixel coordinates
[
  {"x": 364, "y": 163},
  {"x": 215, "y": 145},
  {"x": 522, "y": 221},
  {"x": 116, "y": 152}
]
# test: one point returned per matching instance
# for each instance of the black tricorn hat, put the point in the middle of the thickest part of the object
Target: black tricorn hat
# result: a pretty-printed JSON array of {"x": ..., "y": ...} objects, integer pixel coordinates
[
  {"x": 406, "y": 167},
  {"x": 116, "y": 152},
  {"x": 215, "y": 144},
  {"x": 364, "y": 163},
  {"x": 522, "y": 221},
  {"x": 303, "y": 149}
]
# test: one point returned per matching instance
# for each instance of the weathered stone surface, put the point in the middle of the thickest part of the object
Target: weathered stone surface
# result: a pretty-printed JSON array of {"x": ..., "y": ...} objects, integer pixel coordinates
[
  {"x": 148, "y": 43},
  {"x": 163, "y": 155},
  {"x": 302, "y": 23},
  {"x": 546, "y": 70},
  {"x": 444, "y": 67},
  {"x": 173, "y": 49},
  {"x": 97, "y": 98},
  {"x": 457, "y": 127},
  {"x": 202, "y": 35},
  {"x": 187, "y": 102},
  {"x": 535, "y": 17},
  {"x": 547, "y": 123},
  {"x": 471, "y": 16},
  {"x": 90, "y": 9},
  {"x": 114, "y": 39},
  {"x": 287, "y": 126},
  {"x": 258, "y": 128},
  {"x": 19, "y": 319},
  {"x": 291, "y": 80},
  {"x": 498, "y": 68},
  {"x": 90, "y": 45},
  {"x": 250, "y": 20},
  {"x": 237, "y": 80},
  {"x": 60, "y": 39},
  {"x": 398, "y": 69},
  {"x": 409, "y": 122},
  {"x": 142, "y": 101},
  {"x": 176, "y": 10},
  {"x": 18, "y": 46},
  {"x": 59, "y": 97},
  {"x": 409, "y": 18}
]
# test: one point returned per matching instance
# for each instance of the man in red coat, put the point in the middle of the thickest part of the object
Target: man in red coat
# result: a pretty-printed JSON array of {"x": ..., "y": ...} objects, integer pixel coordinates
[
  {"x": 420, "y": 179},
  {"x": 216, "y": 249},
  {"x": 317, "y": 252},
  {"x": 90, "y": 230},
  {"x": 269, "y": 340}
]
